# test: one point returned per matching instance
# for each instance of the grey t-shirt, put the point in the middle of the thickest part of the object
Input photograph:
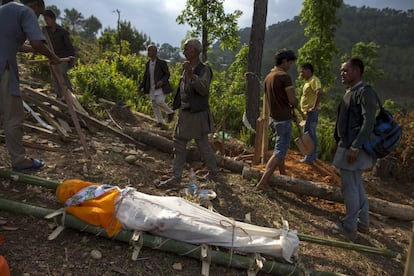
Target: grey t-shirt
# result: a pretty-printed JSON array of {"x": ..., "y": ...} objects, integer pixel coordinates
[{"x": 17, "y": 22}]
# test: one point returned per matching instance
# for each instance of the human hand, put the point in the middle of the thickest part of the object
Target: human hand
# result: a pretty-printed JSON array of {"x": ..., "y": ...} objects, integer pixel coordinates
[
  {"x": 294, "y": 117},
  {"x": 304, "y": 117},
  {"x": 351, "y": 155},
  {"x": 188, "y": 69},
  {"x": 333, "y": 149},
  {"x": 55, "y": 60},
  {"x": 158, "y": 84}
]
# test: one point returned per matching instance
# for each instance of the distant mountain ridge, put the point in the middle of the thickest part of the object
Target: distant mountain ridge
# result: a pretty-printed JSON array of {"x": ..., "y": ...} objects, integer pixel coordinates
[{"x": 391, "y": 29}]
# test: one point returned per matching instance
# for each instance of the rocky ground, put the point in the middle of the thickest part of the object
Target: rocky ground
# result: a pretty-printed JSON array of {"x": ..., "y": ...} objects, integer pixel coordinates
[{"x": 25, "y": 245}]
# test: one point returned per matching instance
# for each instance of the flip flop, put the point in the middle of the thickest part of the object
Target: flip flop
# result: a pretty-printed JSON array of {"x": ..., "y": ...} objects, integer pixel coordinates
[
  {"x": 36, "y": 164},
  {"x": 169, "y": 184}
]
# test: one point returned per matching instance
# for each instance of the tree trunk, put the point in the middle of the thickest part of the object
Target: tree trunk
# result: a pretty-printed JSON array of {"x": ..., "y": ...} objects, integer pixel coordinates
[
  {"x": 324, "y": 191},
  {"x": 254, "y": 65},
  {"x": 166, "y": 145},
  {"x": 204, "y": 30}
]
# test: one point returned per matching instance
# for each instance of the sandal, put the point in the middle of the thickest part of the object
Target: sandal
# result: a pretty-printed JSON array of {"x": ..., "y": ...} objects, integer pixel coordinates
[
  {"x": 36, "y": 164},
  {"x": 171, "y": 183}
]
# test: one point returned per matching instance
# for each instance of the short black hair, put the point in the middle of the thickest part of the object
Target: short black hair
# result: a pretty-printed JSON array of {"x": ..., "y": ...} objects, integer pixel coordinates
[
  {"x": 308, "y": 66},
  {"x": 357, "y": 62},
  {"x": 282, "y": 54},
  {"x": 40, "y": 2},
  {"x": 49, "y": 13},
  {"x": 6, "y": 1}
]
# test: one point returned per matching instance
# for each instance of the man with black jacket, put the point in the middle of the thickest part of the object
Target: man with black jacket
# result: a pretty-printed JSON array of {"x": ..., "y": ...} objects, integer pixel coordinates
[
  {"x": 155, "y": 83},
  {"x": 63, "y": 48},
  {"x": 355, "y": 123}
]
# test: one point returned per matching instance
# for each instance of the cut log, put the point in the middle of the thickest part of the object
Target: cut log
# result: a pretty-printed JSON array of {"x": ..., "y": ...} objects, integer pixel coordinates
[
  {"x": 161, "y": 143},
  {"x": 117, "y": 132},
  {"x": 324, "y": 191},
  {"x": 166, "y": 145},
  {"x": 139, "y": 114}
]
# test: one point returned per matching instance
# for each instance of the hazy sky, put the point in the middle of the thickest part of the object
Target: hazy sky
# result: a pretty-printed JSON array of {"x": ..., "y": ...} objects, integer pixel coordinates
[{"x": 156, "y": 18}]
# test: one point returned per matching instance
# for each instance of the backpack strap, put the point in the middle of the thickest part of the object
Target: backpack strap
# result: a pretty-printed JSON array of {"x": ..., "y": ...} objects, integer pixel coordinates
[{"x": 361, "y": 89}]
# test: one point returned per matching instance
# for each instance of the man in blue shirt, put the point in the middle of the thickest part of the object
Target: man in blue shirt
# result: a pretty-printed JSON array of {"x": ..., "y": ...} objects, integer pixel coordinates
[{"x": 18, "y": 23}]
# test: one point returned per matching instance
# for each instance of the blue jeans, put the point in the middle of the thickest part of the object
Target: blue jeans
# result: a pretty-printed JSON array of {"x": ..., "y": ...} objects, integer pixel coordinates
[
  {"x": 355, "y": 199},
  {"x": 310, "y": 127},
  {"x": 283, "y": 133}
]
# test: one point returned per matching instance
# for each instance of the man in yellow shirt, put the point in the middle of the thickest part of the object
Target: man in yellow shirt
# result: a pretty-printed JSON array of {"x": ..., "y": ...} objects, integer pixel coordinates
[{"x": 309, "y": 103}]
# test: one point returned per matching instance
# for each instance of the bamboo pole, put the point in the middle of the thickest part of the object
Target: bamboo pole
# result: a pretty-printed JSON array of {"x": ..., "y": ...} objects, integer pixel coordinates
[
  {"x": 409, "y": 263},
  {"x": 28, "y": 179},
  {"x": 69, "y": 100},
  {"x": 160, "y": 243},
  {"x": 34, "y": 180},
  {"x": 350, "y": 246}
]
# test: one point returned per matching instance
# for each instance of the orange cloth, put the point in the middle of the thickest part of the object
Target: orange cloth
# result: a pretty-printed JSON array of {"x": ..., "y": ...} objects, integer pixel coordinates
[
  {"x": 98, "y": 211},
  {"x": 4, "y": 267}
]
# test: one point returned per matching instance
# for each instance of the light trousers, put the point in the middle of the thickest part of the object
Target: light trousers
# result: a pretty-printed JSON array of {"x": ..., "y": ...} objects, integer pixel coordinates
[
  {"x": 12, "y": 114},
  {"x": 180, "y": 155}
]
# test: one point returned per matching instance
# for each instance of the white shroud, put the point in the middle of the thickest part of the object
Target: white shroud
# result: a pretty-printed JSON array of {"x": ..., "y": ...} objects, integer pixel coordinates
[{"x": 180, "y": 219}]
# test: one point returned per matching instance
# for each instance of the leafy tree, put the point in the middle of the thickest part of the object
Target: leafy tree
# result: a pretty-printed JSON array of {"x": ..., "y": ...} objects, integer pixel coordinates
[
  {"x": 167, "y": 51},
  {"x": 91, "y": 26},
  {"x": 74, "y": 19},
  {"x": 368, "y": 53},
  {"x": 208, "y": 20},
  {"x": 320, "y": 20},
  {"x": 109, "y": 38},
  {"x": 237, "y": 71}
]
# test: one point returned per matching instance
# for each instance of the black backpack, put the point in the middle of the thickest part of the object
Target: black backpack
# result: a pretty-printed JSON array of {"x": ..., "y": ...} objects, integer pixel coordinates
[{"x": 386, "y": 135}]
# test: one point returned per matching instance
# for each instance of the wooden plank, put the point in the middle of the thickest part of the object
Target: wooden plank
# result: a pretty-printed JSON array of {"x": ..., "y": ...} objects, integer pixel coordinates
[
  {"x": 265, "y": 129},
  {"x": 64, "y": 125},
  {"x": 60, "y": 130},
  {"x": 36, "y": 145},
  {"x": 102, "y": 126},
  {"x": 69, "y": 100},
  {"x": 41, "y": 98},
  {"x": 45, "y": 102},
  {"x": 257, "y": 156},
  {"x": 50, "y": 134}
]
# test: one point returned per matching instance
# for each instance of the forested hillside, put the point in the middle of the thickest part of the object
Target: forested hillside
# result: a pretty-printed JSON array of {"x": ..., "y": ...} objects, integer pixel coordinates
[{"x": 391, "y": 29}]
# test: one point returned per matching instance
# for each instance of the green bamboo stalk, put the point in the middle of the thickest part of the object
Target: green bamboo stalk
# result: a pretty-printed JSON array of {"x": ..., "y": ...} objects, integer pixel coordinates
[
  {"x": 347, "y": 245},
  {"x": 28, "y": 179},
  {"x": 160, "y": 243}
]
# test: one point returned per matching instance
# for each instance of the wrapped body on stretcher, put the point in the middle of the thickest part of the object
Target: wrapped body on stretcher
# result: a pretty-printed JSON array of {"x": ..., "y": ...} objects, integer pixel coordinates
[{"x": 172, "y": 217}]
